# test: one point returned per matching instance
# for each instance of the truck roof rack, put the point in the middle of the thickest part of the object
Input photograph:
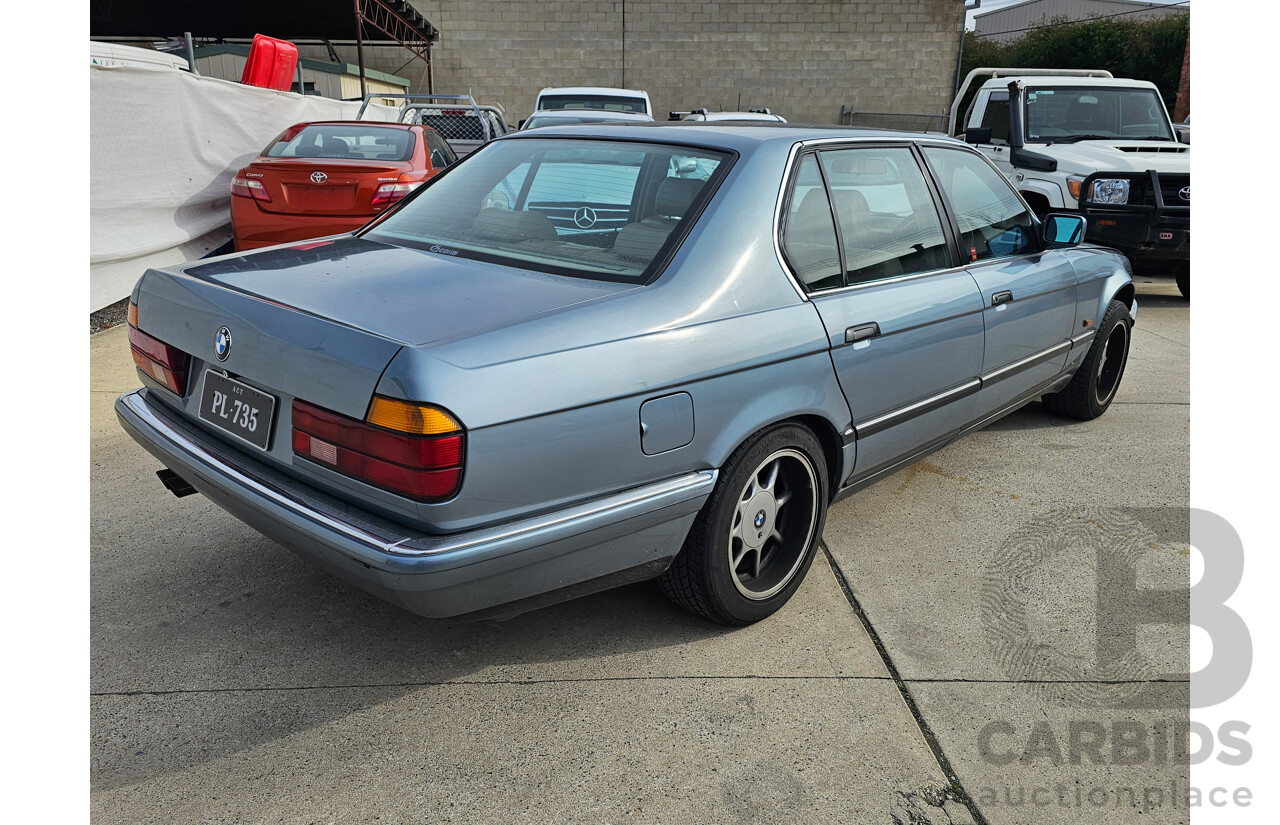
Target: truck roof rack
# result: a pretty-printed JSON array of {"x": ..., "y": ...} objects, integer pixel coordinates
[{"x": 428, "y": 101}]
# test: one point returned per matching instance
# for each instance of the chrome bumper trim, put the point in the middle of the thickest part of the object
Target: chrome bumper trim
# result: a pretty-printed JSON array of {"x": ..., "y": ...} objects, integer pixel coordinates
[{"x": 625, "y": 504}]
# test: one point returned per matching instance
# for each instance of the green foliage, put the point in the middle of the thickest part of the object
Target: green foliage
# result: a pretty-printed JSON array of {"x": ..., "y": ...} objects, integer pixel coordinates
[{"x": 1149, "y": 49}]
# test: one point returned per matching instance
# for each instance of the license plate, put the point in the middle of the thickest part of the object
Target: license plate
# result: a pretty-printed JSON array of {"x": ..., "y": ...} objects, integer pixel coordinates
[{"x": 237, "y": 409}]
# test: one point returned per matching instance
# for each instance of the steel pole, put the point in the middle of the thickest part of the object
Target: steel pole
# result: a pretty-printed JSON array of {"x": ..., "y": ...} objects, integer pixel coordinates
[{"x": 360, "y": 48}]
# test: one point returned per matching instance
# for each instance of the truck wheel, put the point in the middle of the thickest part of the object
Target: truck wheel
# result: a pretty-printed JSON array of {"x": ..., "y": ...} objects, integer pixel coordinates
[
  {"x": 1094, "y": 385},
  {"x": 1183, "y": 277},
  {"x": 753, "y": 542}
]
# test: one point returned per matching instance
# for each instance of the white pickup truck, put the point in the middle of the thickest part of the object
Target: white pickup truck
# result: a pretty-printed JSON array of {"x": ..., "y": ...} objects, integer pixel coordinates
[
  {"x": 1084, "y": 141},
  {"x": 464, "y": 124}
]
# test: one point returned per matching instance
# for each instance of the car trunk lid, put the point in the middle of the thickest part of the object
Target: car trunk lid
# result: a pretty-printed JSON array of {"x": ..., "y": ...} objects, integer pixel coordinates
[
  {"x": 323, "y": 186},
  {"x": 321, "y": 320}
]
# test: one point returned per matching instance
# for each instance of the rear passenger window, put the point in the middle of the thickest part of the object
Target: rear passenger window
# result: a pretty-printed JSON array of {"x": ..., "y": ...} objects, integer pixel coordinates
[
  {"x": 993, "y": 222},
  {"x": 441, "y": 153},
  {"x": 809, "y": 234},
  {"x": 888, "y": 221},
  {"x": 996, "y": 117}
]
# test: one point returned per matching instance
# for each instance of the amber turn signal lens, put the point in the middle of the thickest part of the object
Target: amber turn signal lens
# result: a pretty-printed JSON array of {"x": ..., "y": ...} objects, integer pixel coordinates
[
  {"x": 407, "y": 417},
  {"x": 133, "y": 314}
]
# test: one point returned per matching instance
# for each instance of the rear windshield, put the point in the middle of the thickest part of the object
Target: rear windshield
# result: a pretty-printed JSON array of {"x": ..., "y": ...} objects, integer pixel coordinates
[
  {"x": 559, "y": 120},
  {"x": 607, "y": 210},
  {"x": 358, "y": 142},
  {"x": 610, "y": 102}
]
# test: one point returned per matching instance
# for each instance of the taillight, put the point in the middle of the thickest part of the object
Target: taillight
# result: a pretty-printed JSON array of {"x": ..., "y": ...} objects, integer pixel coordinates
[
  {"x": 411, "y": 449},
  {"x": 392, "y": 192},
  {"x": 164, "y": 363},
  {"x": 250, "y": 188}
]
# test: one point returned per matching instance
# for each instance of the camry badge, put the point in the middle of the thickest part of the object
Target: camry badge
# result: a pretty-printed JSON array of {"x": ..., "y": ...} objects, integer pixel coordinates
[
  {"x": 585, "y": 217},
  {"x": 222, "y": 344},
  {"x": 1185, "y": 193},
  {"x": 319, "y": 177}
]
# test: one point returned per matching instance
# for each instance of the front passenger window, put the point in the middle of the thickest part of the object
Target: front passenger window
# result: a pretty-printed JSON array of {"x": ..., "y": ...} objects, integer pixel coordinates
[{"x": 993, "y": 222}]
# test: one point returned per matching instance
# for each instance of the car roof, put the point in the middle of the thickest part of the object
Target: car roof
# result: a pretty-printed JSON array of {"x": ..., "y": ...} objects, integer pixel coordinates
[
  {"x": 738, "y": 136},
  {"x": 589, "y": 90},
  {"x": 1067, "y": 80},
  {"x": 584, "y": 112},
  {"x": 379, "y": 123},
  {"x": 761, "y": 116}
]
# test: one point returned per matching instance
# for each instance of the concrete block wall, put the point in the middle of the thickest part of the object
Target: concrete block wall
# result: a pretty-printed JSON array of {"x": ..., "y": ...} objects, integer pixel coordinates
[{"x": 802, "y": 59}]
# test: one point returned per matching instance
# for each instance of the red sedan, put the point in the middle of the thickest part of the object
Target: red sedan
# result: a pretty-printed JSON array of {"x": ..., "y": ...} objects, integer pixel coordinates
[{"x": 325, "y": 178}]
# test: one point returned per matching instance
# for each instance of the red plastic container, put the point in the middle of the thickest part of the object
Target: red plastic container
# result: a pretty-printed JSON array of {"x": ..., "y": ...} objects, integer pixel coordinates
[{"x": 272, "y": 63}]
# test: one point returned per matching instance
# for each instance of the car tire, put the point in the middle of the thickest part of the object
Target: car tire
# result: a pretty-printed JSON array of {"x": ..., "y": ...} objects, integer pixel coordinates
[
  {"x": 1097, "y": 379},
  {"x": 1183, "y": 277},
  {"x": 755, "y": 537}
]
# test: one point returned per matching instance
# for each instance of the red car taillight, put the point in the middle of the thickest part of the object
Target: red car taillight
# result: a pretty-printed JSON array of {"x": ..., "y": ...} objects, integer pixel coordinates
[
  {"x": 249, "y": 188},
  {"x": 392, "y": 192},
  {"x": 166, "y": 364},
  {"x": 410, "y": 449}
]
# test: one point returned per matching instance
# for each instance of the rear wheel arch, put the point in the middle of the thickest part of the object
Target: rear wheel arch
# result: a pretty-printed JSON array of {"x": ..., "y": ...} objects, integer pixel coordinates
[
  {"x": 827, "y": 434},
  {"x": 756, "y": 536},
  {"x": 829, "y": 437}
]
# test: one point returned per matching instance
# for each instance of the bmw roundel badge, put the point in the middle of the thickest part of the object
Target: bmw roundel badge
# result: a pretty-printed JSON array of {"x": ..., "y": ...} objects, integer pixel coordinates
[{"x": 222, "y": 344}]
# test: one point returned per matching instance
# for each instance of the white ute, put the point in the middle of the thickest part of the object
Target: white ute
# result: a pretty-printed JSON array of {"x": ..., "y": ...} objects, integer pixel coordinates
[
  {"x": 1083, "y": 141},
  {"x": 599, "y": 98}
]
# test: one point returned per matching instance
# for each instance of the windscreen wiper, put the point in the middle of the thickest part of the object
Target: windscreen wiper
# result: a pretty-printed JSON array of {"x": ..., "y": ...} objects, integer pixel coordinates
[{"x": 1075, "y": 138}]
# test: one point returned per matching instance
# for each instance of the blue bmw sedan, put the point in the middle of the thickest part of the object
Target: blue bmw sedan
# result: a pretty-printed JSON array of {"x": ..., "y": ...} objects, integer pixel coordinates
[{"x": 597, "y": 354}]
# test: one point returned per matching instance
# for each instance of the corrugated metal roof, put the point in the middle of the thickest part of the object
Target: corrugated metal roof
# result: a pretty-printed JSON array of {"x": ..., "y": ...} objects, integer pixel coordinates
[
  {"x": 307, "y": 63},
  {"x": 1014, "y": 21}
]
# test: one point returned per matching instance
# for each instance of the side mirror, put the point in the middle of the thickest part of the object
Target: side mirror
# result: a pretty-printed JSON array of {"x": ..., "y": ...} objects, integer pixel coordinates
[
  {"x": 977, "y": 134},
  {"x": 1060, "y": 231}
]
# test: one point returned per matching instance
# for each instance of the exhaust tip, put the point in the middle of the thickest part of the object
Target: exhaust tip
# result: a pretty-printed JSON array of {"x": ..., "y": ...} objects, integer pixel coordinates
[{"x": 175, "y": 483}]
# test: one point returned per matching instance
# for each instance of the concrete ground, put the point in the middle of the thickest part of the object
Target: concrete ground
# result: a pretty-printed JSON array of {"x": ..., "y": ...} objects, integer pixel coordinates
[{"x": 982, "y": 637}]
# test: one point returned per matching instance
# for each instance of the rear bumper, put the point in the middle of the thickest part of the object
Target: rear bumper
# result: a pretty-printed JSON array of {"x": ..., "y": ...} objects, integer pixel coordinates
[
  {"x": 506, "y": 568},
  {"x": 254, "y": 228}
]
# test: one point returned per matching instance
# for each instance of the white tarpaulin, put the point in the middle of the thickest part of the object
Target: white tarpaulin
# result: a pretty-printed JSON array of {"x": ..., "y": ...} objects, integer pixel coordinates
[{"x": 164, "y": 145}]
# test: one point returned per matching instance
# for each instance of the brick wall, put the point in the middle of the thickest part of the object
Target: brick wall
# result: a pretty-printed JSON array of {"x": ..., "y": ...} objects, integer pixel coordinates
[{"x": 802, "y": 59}]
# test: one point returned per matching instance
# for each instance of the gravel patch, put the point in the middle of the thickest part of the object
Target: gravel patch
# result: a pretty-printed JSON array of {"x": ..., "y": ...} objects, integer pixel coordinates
[{"x": 109, "y": 316}]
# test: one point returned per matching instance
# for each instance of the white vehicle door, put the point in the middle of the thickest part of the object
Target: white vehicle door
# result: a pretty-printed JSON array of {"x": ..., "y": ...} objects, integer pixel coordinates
[{"x": 995, "y": 116}]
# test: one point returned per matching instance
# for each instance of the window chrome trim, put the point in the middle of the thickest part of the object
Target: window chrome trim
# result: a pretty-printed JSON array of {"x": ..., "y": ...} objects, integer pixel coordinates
[
  {"x": 790, "y": 170},
  {"x": 945, "y": 143},
  {"x": 852, "y": 142}
]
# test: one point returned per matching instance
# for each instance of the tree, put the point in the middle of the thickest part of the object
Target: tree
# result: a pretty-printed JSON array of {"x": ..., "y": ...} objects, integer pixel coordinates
[{"x": 1150, "y": 49}]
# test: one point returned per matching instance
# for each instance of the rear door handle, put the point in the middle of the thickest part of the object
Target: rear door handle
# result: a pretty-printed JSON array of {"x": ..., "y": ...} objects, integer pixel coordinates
[
  {"x": 1001, "y": 298},
  {"x": 861, "y": 332}
]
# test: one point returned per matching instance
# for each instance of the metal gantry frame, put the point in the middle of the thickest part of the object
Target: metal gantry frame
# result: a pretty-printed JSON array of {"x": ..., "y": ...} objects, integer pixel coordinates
[{"x": 403, "y": 24}]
